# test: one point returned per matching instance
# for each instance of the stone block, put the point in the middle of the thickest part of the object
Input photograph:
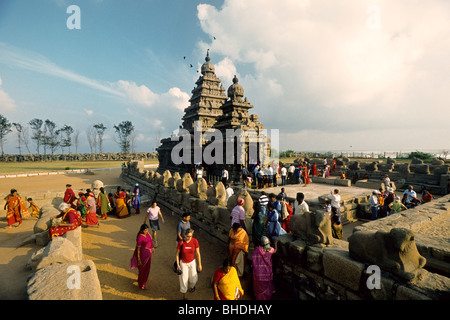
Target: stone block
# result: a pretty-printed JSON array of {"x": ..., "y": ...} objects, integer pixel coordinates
[
  {"x": 314, "y": 259},
  {"x": 339, "y": 267},
  {"x": 343, "y": 182},
  {"x": 394, "y": 251},
  {"x": 44, "y": 221},
  {"x": 74, "y": 236},
  {"x": 59, "y": 250},
  {"x": 57, "y": 282}
]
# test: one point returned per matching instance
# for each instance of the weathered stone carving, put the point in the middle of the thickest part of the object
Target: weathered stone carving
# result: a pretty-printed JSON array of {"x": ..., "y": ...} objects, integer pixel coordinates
[
  {"x": 312, "y": 227},
  {"x": 198, "y": 189},
  {"x": 184, "y": 183},
  {"x": 165, "y": 178},
  {"x": 216, "y": 195},
  {"x": 394, "y": 251},
  {"x": 173, "y": 180}
]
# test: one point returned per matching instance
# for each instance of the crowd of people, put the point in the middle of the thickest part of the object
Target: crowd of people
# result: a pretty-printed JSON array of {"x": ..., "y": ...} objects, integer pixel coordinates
[
  {"x": 271, "y": 217},
  {"x": 385, "y": 203}
]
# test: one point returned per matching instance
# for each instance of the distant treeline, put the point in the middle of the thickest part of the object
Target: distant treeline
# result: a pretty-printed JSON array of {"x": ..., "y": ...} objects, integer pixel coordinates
[{"x": 117, "y": 156}]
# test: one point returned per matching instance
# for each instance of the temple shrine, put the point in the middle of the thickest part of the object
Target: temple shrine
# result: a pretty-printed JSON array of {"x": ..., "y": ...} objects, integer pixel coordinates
[{"x": 240, "y": 140}]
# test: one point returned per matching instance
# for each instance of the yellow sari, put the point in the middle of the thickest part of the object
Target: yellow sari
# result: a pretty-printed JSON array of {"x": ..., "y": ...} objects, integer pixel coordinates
[{"x": 230, "y": 286}]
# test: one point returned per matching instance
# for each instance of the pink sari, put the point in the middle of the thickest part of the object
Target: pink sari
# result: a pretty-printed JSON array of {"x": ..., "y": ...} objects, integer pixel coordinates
[
  {"x": 263, "y": 286},
  {"x": 145, "y": 245}
]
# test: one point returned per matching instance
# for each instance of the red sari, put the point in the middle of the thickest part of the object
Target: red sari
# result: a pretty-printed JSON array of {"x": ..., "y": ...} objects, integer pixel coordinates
[
  {"x": 305, "y": 175},
  {"x": 17, "y": 210},
  {"x": 72, "y": 216},
  {"x": 14, "y": 210},
  {"x": 69, "y": 197},
  {"x": 145, "y": 245},
  {"x": 91, "y": 216}
]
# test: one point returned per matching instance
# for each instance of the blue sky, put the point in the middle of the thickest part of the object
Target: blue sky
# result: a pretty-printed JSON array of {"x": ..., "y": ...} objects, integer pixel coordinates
[{"x": 353, "y": 74}]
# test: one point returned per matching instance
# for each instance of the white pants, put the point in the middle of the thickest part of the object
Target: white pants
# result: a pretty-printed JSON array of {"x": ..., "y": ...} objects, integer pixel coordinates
[{"x": 188, "y": 277}]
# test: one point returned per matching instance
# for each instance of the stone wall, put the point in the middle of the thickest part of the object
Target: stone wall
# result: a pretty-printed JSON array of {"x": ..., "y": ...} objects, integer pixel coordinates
[
  {"x": 320, "y": 270},
  {"x": 435, "y": 175},
  {"x": 110, "y": 156}
]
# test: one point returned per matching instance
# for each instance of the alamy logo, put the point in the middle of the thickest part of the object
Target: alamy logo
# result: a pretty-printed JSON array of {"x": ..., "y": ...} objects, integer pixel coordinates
[
  {"x": 73, "y": 21},
  {"x": 74, "y": 280},
  {"x": 374, "y": 280}
]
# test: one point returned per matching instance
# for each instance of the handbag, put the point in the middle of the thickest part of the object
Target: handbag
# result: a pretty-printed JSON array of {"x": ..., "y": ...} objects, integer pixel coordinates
[{"x": 175, "y": 267}]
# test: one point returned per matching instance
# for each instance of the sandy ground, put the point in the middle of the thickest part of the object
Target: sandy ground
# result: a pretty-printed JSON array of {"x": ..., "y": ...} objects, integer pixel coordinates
[{"x": 111, "y": 245}]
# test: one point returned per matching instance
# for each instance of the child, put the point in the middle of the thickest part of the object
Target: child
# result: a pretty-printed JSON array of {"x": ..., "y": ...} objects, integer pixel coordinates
[{"x": 34, "y": 207}]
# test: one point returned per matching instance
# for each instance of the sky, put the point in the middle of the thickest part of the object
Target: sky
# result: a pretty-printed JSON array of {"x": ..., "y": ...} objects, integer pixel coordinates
[{"x": 329, "y": 75}]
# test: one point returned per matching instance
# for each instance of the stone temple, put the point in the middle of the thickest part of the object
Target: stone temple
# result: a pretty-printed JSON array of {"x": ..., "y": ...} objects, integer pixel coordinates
[{"x": 238, "y": 138}]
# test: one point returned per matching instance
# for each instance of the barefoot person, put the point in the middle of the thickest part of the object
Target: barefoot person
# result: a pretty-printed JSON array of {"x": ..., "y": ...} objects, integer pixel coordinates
[
  {"x": 142, "y": 256},
  {"x": 13, "y": 209},
  {"x": 153, "y": 214}
]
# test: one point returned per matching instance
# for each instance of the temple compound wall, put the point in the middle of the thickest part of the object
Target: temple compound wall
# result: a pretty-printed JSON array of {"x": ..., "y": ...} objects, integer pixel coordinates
[
  {"x": 404, "y": 256},
  {"x": 434, "y": 176}
]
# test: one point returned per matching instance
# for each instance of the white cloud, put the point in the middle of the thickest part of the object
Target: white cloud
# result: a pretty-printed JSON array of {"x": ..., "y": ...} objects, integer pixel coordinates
[
  {"x": 316, "y": 65},
  {"x": 176, "y": 98},
  {"x": 88, "y": 112},
  {"x": 6, "y": 102},
  {"x": 33, "y": 61},
  {"x": 135, "y": 94}
]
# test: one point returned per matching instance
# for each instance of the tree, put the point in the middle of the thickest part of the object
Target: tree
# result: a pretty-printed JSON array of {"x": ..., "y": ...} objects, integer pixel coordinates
[
  {"x": 124, "y": 131},
  {"x": 5, "y": 128},
  {"x": 76, "y": 140},
  {"x": 19, "y": 131},
  {"x": 50, "y": 136},
  {"x": 65, "y": 137},
  {"x": 37, "y": 136},
  {"x": 100, "y": 128}
]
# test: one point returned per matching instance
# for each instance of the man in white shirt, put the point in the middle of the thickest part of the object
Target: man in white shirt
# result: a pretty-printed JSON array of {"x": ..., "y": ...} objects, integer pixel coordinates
[
  {"x": 263, "y": 200},
  {"x": 300, "y": 205},
  {"x": 411, "y": 193},
  {"x": 228, "y": 192},
  {"x": 374, "y": 204},
  {"x": 224, "y": 177},
  {"x": 283, "y": 172},
  {"x": 291, "y": 171},
  {"x": 335, "y": 199}
]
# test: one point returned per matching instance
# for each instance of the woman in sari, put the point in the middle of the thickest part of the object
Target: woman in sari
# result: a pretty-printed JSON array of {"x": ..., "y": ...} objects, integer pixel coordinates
[
  {"x": 226, "y": 283},
  {"x": 238, "y": 247},
  {"x": 121, "y": 207},
  {"x": 263, "y": 286},
  {"x": 70, "y": 220},
  {"x": 16, "y": 209},
  {"x": 305, "y": 174},
  {"x": 91, "y": 216},
  {"x": 258, "y": 223},
  {"x": 103, "y": 204},
  {"x": 142, "y": 256}
]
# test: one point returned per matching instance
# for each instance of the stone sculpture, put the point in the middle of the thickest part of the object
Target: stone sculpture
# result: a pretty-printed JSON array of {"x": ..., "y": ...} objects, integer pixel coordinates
[
  {"x": 198, "y": 189},
  {"x": 216, "y": 195},
  {"x": 312, "y": 227},
  {"x": 184, "y": 183},
  {"x": 394, "y": 251}
]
